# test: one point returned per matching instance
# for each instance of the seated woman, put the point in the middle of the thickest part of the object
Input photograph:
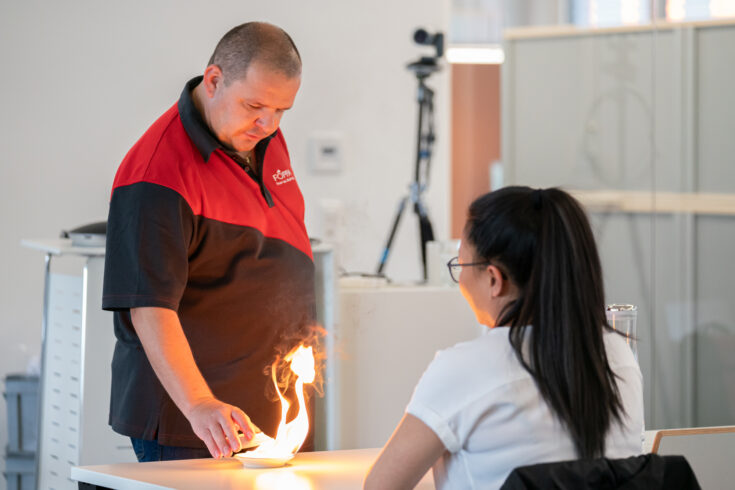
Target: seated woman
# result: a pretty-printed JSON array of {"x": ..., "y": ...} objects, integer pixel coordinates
[{"x": 549, "y": 381}]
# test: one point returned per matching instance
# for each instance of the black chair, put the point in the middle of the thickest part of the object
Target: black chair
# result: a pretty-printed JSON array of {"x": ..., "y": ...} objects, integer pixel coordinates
[{"x": 647, "y": 471}]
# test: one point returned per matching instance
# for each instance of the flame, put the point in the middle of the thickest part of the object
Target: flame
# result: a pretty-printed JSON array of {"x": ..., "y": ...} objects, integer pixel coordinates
[{"x": 290, "y": 435}]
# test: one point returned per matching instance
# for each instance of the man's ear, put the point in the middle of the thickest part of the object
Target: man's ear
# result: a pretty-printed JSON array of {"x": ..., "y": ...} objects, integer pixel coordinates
[
  {"x": 212, "y": 79},
  {"x": 498, "y": 284}
]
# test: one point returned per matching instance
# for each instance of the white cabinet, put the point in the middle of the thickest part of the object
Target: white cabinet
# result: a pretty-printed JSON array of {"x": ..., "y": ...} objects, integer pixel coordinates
[
  {"x": 77, "y": 346},
  {"x": 385, "y": 337}
]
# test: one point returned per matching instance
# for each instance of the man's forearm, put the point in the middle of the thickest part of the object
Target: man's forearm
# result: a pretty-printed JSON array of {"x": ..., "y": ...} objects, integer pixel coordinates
[
  {"x": 168, "y": 351},
  {"x": 213, "y": 421}
]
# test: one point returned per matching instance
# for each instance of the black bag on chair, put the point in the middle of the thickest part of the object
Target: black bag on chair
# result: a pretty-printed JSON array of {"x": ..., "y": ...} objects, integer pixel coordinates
[{"x": 644, "y": 472}]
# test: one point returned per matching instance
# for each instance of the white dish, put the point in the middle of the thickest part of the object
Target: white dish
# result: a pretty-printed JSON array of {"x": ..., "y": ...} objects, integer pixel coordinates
[{"x": 255, "y": 462}]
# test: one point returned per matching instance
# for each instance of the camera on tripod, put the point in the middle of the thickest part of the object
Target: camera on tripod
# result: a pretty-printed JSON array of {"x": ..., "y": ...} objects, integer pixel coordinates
[{"x": 426, "y": 65}]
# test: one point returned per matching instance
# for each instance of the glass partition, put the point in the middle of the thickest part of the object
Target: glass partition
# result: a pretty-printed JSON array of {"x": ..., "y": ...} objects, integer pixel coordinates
[{"x": 629, "y": 105}]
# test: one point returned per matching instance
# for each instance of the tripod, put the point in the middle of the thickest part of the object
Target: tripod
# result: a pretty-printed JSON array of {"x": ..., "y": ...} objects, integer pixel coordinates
[{"x": 425, "y": 140}]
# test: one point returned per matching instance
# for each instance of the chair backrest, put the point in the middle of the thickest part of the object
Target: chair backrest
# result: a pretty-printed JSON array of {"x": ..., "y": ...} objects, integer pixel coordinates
[
  {"x": 709, "y": 450},
  {"x": 649, "y": 471}
]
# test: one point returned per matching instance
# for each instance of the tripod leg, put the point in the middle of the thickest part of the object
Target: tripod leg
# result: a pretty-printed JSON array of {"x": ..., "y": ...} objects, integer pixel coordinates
[
  {"x": 391, "y": 236},
  {"x": 424, "y": 141},
  {"x": 426, "y": 232}
]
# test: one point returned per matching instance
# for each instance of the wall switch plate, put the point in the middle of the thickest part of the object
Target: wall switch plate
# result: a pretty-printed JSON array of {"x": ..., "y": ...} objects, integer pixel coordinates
[{"x": 325, "y": 153}]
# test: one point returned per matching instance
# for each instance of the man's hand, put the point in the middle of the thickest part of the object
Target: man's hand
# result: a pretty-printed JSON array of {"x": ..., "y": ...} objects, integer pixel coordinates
[{"x": 217, "y": 423}]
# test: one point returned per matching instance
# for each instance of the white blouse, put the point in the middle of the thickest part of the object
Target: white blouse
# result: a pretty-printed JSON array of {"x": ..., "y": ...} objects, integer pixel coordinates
[{"x": 486, "y": 409}]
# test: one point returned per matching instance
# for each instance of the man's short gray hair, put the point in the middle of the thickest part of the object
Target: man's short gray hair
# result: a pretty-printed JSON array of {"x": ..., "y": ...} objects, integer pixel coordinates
[{"x": 256, "y": 42}]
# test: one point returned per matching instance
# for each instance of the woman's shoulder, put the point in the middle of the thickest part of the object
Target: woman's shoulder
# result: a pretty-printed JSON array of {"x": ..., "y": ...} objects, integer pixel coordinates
[
  {"x": 491, "y": 338},
  {"x": 492, "y": 341},
  {"x": 467, "y": 378},
  {"x": 489, "y": 359}
]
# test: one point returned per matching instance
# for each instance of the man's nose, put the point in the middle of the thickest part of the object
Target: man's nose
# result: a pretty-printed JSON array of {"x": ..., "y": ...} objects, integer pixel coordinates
[{"x": 267, "y": 122}]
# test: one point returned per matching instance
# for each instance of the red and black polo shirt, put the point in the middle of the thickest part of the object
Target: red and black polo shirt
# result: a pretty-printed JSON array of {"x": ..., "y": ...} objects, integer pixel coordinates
[{"x": 189, "y": 229}]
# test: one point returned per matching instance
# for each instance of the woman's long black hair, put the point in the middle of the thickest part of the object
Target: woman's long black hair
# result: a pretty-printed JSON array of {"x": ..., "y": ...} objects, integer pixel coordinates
[{"x": 543, "y": 241}]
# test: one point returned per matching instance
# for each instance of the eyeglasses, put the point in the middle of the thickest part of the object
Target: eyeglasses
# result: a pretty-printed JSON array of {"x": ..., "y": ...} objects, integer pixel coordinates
[{"x": 454, "y": 265}]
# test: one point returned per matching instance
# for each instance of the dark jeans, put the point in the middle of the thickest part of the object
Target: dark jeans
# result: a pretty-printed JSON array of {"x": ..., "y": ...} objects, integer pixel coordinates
[{"x": 147, "y": 451}]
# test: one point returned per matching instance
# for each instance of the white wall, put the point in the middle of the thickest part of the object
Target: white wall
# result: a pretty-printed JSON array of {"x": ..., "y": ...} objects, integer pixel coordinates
[{"x": 82, "y": 80}]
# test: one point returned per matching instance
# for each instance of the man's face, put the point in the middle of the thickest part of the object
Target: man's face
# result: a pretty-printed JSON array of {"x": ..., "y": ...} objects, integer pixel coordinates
[{"x": 245, "y": 111}]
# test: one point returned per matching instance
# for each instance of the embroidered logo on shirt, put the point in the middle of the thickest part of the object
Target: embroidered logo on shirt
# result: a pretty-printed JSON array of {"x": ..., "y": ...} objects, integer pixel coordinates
[{"x": 282, "y": 177}]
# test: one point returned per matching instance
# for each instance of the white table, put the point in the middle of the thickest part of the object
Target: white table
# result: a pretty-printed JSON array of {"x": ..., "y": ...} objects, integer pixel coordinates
[{"x": 338, "y": 470}]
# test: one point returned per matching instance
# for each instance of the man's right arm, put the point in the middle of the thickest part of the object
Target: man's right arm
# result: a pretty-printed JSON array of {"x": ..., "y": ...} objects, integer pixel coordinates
[{"x": 169, "y": 353}]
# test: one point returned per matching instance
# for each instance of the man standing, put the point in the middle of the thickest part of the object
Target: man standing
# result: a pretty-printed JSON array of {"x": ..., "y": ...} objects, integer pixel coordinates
[{"x": 208, "y": 265}]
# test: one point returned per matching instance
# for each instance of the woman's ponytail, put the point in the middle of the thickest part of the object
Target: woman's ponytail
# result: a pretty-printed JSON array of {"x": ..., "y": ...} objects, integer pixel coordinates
[{"x": 543, "y": 239}]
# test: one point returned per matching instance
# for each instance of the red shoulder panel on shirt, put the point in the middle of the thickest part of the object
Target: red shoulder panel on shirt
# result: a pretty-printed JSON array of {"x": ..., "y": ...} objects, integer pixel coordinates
[{"x": 219, "y": 189}]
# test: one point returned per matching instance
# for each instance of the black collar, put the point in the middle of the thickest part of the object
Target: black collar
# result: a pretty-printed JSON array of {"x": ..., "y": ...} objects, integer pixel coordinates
[{"x": 198, "y": 131}]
